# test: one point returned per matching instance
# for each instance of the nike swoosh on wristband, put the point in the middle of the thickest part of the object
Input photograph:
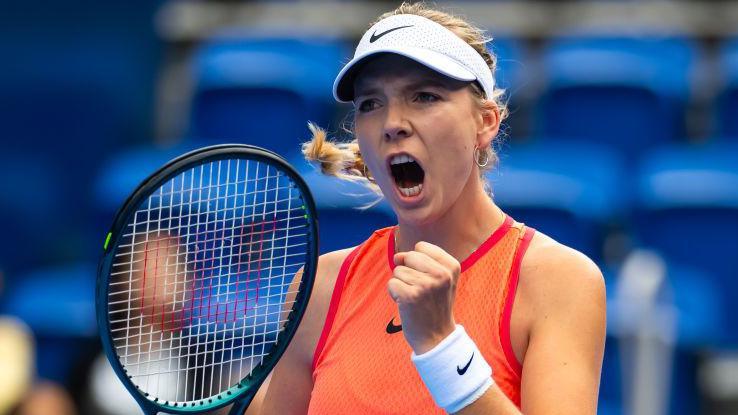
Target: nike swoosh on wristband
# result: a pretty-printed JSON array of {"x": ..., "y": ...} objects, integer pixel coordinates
[
  {"x": 461, "y": 371},
  {"x": 392, "y": 328},
  {"x": 376, "y": 36}
]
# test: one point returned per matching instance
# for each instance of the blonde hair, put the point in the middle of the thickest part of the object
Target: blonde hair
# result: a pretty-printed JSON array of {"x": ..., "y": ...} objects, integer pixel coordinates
[{"x": 343, "y": 159}]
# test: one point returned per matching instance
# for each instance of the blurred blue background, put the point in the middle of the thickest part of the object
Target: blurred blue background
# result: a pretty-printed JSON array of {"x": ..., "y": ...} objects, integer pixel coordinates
[{"x": 622, "y": 142}]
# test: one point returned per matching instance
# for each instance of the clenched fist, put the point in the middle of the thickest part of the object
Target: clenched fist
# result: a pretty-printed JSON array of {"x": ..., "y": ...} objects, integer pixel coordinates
[{"x": 423, "y": 285}]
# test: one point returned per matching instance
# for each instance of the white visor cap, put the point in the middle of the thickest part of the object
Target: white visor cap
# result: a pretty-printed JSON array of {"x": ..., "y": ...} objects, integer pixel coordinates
[{"x": 421, "y": 40}]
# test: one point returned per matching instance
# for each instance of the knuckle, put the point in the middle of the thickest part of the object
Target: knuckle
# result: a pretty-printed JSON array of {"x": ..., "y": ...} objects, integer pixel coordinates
[
  {"x": 419, "y": 292},
  {"x": 414, "y": 296},
  {"x": 450, "y": 274},
  {"x": 446, "y": 281},
  {"x": 392, "y": 288},
  {"x": 424, "y": 286},
  {"x": 440, "y": 284}
]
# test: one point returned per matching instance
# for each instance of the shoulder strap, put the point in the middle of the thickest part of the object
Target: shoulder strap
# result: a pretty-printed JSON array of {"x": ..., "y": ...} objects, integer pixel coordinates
[
  {"x": 333, "y": 307},
  {"x": 524, "y": 237}
]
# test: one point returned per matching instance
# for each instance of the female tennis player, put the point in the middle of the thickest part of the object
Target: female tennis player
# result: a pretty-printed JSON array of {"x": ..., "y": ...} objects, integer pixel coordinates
[{"x": 458, "y": 308}]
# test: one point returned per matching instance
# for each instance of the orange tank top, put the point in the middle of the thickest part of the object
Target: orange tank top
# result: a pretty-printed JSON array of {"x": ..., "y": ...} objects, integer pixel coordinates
[{"x": 362, "y": 362}]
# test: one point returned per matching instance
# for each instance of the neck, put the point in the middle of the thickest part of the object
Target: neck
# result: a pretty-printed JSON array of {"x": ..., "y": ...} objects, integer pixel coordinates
[{"x": 460, "y": 230}]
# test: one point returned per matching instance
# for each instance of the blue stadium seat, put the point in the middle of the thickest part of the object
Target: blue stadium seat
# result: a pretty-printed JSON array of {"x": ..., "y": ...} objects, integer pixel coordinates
[
  {"x": 567, "y": 190},
  {"x": 628, "y": 93},
  {"x": 727, "y": 104},
  {"x": 263, "y": 90},
  {"x": 607, "y": 407},
  {"x": 123, "y": 172},
  {"x": 700, "y": 323},
  {"x": 514, "y": 75},
  {"x": 699, "y": 306},
  {"x": 512, "y": 59},
  {"x": 30, "y": 196},
  {"x": 610, "y": 394},
  {"x": 119, "y": 177},
  {"x": 688, "y": 210}
]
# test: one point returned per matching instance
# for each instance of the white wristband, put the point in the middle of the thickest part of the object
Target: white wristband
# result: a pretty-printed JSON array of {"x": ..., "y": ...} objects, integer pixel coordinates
[{"x": 454, "y": 371}]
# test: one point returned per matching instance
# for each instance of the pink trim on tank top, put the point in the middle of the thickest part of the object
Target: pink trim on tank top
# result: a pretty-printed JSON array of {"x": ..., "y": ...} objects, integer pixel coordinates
[
  {"x": 512, "y": 286},
  {"x": 333, "y": 307}
]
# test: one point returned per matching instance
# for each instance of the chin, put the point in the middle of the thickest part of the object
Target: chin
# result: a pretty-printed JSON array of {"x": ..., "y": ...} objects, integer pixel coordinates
[{"x": 419, "y": 216}]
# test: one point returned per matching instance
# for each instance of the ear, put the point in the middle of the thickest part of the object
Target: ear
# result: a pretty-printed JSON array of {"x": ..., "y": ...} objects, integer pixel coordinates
[{"x": 488, "y": 124}]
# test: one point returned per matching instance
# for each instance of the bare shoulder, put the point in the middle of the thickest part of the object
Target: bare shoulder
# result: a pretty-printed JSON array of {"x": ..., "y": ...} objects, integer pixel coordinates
[
  {"x": 559, "y": 328},
  {"x": 326, "y": 273},
  {"x": 329, "y": 265},
  {"x": 546, "y": 255},
  {"x": 554, "y": 276}
]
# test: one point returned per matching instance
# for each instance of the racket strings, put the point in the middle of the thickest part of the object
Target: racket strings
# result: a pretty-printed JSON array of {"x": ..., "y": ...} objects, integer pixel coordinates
[
  {"x": 126, "y": 303},
  {"x": 172, "y": 223},
  {"x": 216, "y": 186},
  {"x": 202, "y": 261},
  {"x": 204, "y": 279},
  {"x": 189, "y": 315},
  {"x": 131, "y": 331},
  {"x": 214, "y": 239}
]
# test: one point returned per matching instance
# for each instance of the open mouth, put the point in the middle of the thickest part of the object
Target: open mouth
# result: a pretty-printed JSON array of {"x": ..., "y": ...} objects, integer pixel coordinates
[{"x": 408, "y": 174}]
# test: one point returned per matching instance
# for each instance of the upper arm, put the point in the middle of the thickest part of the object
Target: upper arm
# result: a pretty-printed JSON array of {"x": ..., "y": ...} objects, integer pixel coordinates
[
  {"x": 290, "y": 384},
  {"x": 565, "y": 294}
]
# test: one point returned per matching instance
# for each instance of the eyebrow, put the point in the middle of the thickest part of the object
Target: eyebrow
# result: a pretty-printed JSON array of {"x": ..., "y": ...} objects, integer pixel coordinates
[
  {"x": 365, "y": 91},
  {"x": 425, "y": 82}
]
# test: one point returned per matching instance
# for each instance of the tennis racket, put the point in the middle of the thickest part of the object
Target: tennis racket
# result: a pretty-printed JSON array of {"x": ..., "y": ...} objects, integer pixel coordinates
[{"x": 205, "y": 276}]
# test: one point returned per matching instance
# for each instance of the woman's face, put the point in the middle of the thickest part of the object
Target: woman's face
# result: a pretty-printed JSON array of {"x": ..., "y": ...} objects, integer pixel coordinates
[{"x": 407, "y": 112}]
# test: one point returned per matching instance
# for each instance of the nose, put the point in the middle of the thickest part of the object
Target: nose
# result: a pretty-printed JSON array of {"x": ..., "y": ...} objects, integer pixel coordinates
[{"x": 396, "y": 124}]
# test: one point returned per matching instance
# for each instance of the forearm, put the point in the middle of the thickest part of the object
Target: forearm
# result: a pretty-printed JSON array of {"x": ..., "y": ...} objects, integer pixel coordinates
[{"x": 492, "y": 402}]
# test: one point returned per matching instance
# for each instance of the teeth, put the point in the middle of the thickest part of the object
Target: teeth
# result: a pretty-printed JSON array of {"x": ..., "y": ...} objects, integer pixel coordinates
[
  {"x": 402, "y": 158},
  {"x": 411, "y": 191}
]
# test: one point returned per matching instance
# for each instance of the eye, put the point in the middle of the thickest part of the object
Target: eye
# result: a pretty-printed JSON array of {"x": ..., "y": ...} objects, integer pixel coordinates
[
  {"x": 367, "y": 105},
  {"x": 426, "y": 97}
]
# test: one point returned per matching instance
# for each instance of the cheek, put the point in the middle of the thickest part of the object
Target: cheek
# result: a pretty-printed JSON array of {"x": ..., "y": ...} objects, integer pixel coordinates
[
  {"x": 368, "y": 153},
  {"x": 368, "y": 135},
  {"x": 453, "y": 163},
  {"x": 458, "y": 164},
  {"x": 455, "y": 149}
]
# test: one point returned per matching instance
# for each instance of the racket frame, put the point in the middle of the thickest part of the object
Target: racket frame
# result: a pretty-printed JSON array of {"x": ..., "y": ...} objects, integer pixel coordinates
[{"x": 241, "y": 394}]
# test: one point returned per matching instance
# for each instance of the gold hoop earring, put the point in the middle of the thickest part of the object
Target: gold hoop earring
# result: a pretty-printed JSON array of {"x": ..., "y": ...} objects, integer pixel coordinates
[{"x": 478, "y": 159}]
